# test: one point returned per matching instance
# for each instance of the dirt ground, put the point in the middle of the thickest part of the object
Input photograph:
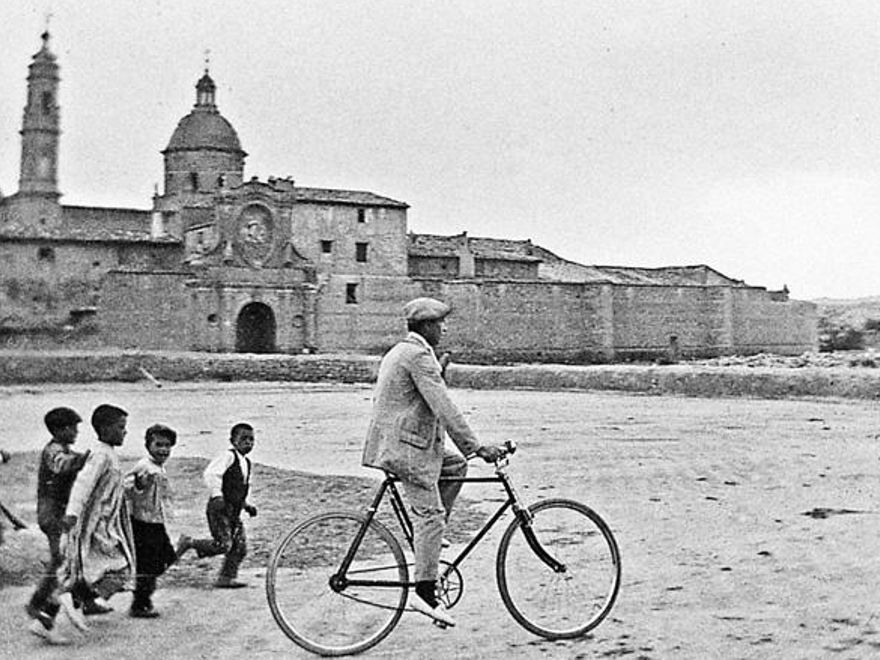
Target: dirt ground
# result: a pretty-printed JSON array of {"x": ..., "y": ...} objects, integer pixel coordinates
[{"x": 748, "y": 528}]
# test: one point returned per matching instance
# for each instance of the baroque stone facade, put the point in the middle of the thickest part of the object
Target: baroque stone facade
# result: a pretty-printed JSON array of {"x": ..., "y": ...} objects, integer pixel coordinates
[{"x": 222, "y": 263}]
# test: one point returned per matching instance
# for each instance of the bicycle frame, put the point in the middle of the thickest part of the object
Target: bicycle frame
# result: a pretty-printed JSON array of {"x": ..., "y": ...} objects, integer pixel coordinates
[{"x": 340, "y": 580}]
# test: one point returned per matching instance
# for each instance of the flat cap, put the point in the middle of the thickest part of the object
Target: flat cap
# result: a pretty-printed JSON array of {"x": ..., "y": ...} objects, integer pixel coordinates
[{"x": 425, "y": 309}]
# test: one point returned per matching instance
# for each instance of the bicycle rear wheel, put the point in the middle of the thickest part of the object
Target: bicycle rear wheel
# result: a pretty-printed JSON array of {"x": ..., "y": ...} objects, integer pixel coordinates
[
  {"x": 569, "y": 603},
  {"x": 335, "y": 620}
]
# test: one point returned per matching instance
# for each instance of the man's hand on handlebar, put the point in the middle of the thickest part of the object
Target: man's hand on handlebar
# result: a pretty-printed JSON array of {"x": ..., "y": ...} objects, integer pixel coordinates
[{"x": 491, "y": 453}]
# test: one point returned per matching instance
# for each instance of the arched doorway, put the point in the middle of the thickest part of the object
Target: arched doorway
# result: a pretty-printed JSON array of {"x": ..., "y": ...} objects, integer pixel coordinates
[{"x": 255, "y": 329}]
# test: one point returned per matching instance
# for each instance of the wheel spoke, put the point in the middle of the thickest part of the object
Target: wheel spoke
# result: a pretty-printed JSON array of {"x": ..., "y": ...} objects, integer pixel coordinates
[
  {"x": 310, "y": 611},
  {"x": 562, "y": 604}
]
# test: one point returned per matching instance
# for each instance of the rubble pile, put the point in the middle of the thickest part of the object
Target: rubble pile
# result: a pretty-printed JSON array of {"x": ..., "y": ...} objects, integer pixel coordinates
[{"x": 862, "y": 359}]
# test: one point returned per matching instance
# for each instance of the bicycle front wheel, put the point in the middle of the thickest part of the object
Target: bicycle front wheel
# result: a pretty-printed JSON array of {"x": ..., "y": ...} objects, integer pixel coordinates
[
  {"x": 573, "y": 600},
  {"x": 320, "y": 612}
]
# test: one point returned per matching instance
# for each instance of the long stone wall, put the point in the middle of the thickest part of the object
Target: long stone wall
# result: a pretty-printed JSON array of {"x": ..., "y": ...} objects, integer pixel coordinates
[
  {"x": 493, "y": 322},
  {"x": 82, "y": 367},
  {"x": 526, "y": 321},
  {"x": 571, "y": 322}
]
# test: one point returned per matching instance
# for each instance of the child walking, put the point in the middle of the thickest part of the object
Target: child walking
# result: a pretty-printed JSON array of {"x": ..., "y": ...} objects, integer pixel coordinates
[
  {"x": 99, "y": 555},
  {"x": 228, "y": 478},
  {"x": 148, "y": 492},
  {"x": 59, "y": 465}
]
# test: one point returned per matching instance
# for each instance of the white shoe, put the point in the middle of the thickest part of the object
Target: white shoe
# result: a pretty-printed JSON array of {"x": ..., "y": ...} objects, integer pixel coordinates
[
  {"x": 438, "y": 614},
  {"x": 51, "y": 635},
  {"x": 444, "y": 542},
  {"x": 76, "y": 616}
]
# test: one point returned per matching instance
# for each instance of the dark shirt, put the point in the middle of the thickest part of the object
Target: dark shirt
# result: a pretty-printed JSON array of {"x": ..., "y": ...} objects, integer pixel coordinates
[{"x": 58, "y": 467}]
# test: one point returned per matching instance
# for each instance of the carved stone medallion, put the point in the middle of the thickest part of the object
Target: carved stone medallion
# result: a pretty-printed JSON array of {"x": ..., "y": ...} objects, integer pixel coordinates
[{"x": 255, "y": 234}]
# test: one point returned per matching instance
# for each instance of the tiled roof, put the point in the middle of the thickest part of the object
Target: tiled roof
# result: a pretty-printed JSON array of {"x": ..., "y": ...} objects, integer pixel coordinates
[
  {"x": 197, "y": 217},
  {"x": 354, "y": 197},
  {"x": 102, "y": 216},
  {"x": 433, "y": 245},
  {"x": 670, "y": 275},
  {"x": 90, "y": 224},
  {"x": 556, "y": 268}
]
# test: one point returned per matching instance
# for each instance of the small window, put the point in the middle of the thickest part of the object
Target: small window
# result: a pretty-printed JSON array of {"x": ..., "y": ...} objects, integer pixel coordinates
[
  {"x": 326, "y": 247},
  {"x": 362, "y": 215},
  {"x": 360, "y": 252},
  {"x": 194, "y": 181},
  {"x": 351, "y": 295},
  {"x": 221, "y": 180},
  {"x": 46, "y": 254},
  {"x": 46, "y": 103}
]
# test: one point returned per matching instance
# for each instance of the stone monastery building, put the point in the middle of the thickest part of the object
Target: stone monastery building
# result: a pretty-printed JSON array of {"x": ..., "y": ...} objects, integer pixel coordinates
[{"x": 224, "y": 263}]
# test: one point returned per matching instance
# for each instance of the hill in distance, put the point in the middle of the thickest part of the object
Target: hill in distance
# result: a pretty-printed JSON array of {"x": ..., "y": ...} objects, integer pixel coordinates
[{"x": 849, "y": 311}]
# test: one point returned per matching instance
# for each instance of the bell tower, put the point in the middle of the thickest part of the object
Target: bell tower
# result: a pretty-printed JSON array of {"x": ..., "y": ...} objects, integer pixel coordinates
[{"x": 40, "y": 128}]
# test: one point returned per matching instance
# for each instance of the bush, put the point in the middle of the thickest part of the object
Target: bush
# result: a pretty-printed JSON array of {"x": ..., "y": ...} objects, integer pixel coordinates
[{"x": 839, "y": 338}]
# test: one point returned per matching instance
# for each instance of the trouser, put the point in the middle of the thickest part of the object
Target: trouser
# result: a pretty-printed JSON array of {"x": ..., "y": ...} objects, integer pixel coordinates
[
  {"x": 153, "y": 553},
  {"x": 430, "y": 508},
  {"x": 43, "y": 598},
  {"x": 228, "y": 537}
]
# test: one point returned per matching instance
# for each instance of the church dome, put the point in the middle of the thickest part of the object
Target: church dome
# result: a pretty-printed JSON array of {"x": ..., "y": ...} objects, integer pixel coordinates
[
  {"x": 205, "y": 127},
  {"x": 202, "y": 129}
]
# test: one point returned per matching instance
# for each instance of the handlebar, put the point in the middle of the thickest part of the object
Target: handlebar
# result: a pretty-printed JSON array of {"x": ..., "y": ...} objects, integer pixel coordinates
[{"x": 509, "y": 448}]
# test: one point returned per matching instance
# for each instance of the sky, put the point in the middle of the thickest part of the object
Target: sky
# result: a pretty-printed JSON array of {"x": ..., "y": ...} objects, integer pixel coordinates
[{"x": 740, "y": 134}]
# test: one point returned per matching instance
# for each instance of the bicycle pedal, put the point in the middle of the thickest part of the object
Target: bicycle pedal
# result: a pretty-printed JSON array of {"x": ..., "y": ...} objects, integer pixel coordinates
[{"x": 440, "y": 624}]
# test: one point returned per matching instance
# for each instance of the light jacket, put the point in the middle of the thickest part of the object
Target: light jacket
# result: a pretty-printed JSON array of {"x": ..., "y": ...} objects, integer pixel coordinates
[{"x": 411, "y": 409}]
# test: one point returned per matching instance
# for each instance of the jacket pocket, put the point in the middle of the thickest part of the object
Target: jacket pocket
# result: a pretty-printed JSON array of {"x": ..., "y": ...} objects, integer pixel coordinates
[{"x": 411, "y": 433}]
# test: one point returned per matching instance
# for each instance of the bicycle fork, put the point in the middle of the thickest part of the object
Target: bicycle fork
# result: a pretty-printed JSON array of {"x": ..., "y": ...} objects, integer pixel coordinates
[{"x": 521, "y": 511}]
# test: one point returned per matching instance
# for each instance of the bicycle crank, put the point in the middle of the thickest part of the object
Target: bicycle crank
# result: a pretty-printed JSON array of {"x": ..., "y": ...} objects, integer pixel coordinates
[{"x": 450, "y": 587}]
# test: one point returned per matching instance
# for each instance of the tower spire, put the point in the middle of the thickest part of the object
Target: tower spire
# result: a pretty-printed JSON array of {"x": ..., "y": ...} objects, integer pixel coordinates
[{"x": 40, "y": 125}]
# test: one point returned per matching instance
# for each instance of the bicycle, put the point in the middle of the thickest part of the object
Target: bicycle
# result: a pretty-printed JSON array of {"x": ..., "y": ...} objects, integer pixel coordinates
[{"x": 337, "y": 584}]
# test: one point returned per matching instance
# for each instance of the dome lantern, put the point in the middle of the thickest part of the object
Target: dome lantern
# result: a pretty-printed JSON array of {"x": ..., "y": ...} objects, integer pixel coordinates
[{"x": 205, "y": 90}]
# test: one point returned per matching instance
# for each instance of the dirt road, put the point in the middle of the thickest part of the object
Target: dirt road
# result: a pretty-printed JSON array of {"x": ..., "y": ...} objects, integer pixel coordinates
[{"x": 708, "y": 498}]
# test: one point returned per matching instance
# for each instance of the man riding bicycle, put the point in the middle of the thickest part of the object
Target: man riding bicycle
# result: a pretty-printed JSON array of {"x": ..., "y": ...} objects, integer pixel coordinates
[{"x": 411, "y": 411}]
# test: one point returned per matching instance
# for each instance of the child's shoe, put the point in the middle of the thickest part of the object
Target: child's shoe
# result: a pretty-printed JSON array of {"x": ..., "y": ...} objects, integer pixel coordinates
[
  {"x": 184, "y": 543},
  {"x": 76, "y": 616},
  {"x": 96, "y": 606},
  {"x": 143, "y": 612},
  {"x": 228, "y": 583},
  {"x": 51, "y": 635},
  {"x": 39, "y": 615}
]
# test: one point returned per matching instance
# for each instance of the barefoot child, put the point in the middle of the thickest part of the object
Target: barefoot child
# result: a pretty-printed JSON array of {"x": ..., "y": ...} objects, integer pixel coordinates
[
  {"x": 59, "y": 465},
  {"x": 148, "y": 494},
  {"x": 228, "y": 479},
  {"x": 99, "y": 556}
]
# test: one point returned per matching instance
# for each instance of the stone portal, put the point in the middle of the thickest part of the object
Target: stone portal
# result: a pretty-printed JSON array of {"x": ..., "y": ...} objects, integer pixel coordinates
[{"x": 255, "y": 329}]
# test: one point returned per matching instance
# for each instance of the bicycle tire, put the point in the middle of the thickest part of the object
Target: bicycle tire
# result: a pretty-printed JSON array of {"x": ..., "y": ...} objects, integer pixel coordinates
[
  {"x": 309, "y": 611},
  {"x": 559, "y": 605}
]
